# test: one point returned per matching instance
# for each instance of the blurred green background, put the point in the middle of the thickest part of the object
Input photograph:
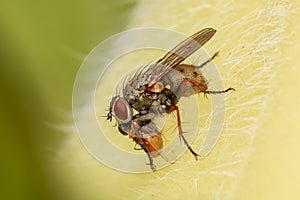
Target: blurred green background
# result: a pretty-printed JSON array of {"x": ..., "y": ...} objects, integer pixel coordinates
[{"x": 42, "y": 46}]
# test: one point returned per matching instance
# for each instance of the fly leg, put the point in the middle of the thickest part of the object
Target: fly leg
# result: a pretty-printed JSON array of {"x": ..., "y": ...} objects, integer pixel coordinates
[
  {"x": 137, "y": 136},
  {"x": 209, "y": 60},
  {"x": 195, "y": 83},
  {"x": 220, "y": 91},
  {"x": 152, "y": 166},
  {"x": 175, "y": 108},
  {"x": 201, "y": 87},
  {"x": 146, "y": 149}
]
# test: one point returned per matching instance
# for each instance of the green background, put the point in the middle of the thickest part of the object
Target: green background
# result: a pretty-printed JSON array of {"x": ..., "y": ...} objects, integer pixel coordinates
[
  {"x": 44, "y": 43},
  {"x": 42, "y": 46}
]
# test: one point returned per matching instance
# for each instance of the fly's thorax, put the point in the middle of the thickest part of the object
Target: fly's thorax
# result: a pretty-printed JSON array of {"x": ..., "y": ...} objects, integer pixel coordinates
[
  {"x": 167, "y": 99},
  {"x": 135, "y": 85},
  {"x": 141, "y": 99},
  {"x": 148, "y": 129},
  {"x": 173, "y": 79}
]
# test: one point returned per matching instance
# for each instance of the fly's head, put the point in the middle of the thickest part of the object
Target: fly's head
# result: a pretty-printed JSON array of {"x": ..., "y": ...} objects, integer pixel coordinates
[{"x": 121, "y": 111}]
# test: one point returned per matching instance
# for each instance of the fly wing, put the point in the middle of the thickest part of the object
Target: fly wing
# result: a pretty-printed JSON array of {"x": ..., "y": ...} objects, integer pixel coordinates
[{"x": 178, "y": 54}]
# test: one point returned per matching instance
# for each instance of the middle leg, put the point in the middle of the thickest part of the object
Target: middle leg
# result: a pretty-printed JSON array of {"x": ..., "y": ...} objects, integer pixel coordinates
[{"x": 175, "y": 108}]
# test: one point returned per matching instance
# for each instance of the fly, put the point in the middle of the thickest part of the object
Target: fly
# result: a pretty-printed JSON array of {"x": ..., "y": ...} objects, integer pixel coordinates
[{"x": 157, "y": 90}]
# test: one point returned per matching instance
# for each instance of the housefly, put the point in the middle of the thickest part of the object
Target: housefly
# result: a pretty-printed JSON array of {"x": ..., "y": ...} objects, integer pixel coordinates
[{"x": 156, "y": 90}]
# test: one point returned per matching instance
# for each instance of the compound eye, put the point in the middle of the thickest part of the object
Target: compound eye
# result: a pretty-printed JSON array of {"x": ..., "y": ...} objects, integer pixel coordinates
[{"x": 121, "y": 110}]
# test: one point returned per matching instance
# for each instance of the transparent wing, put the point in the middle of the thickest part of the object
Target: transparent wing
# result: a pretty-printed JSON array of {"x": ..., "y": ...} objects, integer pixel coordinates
[{"x": 178, "y": 54}]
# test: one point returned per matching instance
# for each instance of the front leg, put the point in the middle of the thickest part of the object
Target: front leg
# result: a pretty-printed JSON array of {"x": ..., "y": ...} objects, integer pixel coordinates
[
  {"x": 144, "y": 146},
  {"x": 147, "y": 137}
]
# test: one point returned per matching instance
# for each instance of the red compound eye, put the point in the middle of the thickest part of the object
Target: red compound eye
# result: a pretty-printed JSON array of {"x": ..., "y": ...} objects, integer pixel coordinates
[{"x": 121, "y": 110}]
